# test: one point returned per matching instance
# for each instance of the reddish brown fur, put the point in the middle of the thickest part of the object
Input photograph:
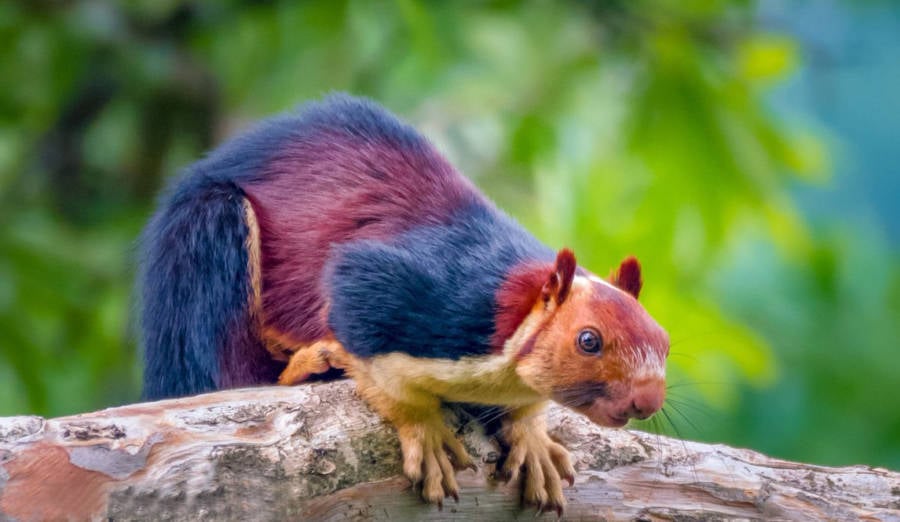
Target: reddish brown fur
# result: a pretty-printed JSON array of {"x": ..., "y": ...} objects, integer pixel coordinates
[
  {"x": 628, "y": 276},
  {"x": 622, "y": 323},
  {"x": 552, "y": 363}
]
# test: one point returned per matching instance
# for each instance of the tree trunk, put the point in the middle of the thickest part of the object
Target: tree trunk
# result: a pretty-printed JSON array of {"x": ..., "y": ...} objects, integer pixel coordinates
[{"x": 316, "y": 452}]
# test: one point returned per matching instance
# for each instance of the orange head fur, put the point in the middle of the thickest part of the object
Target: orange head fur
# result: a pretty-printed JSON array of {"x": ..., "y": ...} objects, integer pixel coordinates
[{"x": 585, "y": 342}]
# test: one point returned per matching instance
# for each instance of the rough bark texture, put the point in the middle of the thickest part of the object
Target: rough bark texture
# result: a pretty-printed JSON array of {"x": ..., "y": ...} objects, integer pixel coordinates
[{"x": 316, "y": 452}]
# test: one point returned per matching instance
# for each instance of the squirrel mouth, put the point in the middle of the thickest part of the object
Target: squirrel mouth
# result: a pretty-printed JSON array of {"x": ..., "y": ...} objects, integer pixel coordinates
[
  {"x": 615, "y": 421},
  {"x": 599, "y": 413},
  {"x": 591, "y": 399},
  {"x": 581, "y": 396}
]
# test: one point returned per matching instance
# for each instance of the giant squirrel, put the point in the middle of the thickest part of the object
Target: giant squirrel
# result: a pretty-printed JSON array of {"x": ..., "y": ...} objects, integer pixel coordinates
[{"x": 338, "y": 237}]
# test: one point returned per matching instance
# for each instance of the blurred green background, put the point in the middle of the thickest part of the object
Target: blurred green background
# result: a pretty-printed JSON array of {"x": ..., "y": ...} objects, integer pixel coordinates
[{"x": 746, "y": 152}]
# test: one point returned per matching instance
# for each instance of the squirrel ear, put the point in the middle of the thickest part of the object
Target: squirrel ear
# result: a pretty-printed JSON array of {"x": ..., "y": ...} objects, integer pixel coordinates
[
  {"x": 628, "y": 276},
  {"x": 560, "y": 281}
]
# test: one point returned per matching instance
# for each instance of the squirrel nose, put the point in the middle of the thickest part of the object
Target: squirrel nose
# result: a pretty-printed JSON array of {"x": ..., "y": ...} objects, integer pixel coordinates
[{"x": 646, "y": 400}]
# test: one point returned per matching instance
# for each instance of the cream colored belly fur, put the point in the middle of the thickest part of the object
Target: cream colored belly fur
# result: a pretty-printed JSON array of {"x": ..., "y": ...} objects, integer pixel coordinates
[{"x": 488, "y": 379}]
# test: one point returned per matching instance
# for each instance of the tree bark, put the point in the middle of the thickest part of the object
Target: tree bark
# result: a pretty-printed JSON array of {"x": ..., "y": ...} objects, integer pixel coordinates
[{"x": 315, "y": 452}]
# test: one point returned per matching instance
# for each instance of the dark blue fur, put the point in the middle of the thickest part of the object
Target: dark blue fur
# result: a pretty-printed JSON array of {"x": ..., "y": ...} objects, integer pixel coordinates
[
  {"x": 195, "y": 295},
  {"x": 430, "y": 292},
  {"x": 359, "y": 117},
  {"x": 194, "y": 283}
]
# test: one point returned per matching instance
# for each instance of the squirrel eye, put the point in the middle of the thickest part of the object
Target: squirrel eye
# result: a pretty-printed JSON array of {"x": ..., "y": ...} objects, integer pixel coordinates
[{"x": 589, "y": 341}]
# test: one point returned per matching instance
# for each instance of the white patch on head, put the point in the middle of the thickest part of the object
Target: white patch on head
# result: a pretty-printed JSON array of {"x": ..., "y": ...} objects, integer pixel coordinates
[
  {"x": 646, "y": 362},
  {"x": 581, "y": 282},
  {"x": 592, "y": 278},
  {"x": 597, "y": 279}
]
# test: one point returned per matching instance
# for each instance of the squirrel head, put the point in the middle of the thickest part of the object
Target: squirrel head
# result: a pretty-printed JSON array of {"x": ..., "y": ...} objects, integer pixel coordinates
[{"x": 585, "y": 342}]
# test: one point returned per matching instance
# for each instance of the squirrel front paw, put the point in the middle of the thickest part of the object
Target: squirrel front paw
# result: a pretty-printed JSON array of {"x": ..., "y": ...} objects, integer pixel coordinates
[
  {"x": 545, "y": 461},
  {"x": 425, "y": 448}
]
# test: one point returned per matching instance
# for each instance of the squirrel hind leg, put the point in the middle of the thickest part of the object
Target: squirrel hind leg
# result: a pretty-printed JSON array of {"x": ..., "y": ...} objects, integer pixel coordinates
[{"x": 315, "y": 359}]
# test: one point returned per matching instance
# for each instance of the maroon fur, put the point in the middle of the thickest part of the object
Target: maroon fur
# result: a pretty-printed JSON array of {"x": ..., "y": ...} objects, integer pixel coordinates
[
  {"x": 354, "y": 187},
  {"x": 521, "y": 290},
  {"x": 628, "y": 276},
  {"x": 560, "y": 282},
  {"x": 245, "y": 361},
  {"x": 515, "y": 299}
]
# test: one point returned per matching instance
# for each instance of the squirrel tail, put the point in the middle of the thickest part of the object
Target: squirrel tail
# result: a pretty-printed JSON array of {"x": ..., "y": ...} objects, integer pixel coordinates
[{"x": 198, "y": 329}]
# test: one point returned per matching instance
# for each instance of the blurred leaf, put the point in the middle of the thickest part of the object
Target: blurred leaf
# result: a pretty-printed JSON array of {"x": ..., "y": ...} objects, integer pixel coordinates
[
  {"x": 763, "y": 58},
  {"x": 807, "y": 156}
]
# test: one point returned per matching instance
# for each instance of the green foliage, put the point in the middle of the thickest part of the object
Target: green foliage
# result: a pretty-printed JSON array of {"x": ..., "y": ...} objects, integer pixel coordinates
[{"x": 612, "y": 127}]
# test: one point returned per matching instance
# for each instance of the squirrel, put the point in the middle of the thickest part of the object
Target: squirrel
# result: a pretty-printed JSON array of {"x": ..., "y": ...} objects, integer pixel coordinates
[{"x": 337, "y": 237}]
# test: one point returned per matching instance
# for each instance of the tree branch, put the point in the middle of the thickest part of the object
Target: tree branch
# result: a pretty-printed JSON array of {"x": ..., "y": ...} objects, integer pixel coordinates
[{"x": 316, "y": 452}]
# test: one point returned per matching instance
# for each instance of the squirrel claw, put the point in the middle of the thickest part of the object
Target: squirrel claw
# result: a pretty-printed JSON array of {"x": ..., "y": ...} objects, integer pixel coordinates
[
  {"x": 554, "y": 508},
  {"x": 427, "y": 452},
  {"x": 548, "y": 508},
  {"x": 543, "y": 464}
]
